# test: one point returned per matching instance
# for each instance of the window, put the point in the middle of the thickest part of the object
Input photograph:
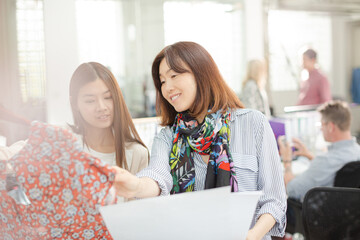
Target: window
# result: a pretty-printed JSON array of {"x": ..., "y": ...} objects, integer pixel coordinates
[
  {"x": 216, "y": 26},
  {"x": 31, "y": 53},
  {"x": 99, "y": 25},
  {"x": 289, "y": 33}
]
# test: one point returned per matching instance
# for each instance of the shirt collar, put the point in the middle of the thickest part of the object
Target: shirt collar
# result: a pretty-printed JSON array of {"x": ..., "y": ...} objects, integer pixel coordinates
[
  {"x": 342, "y": 143},
  {"x": 238, "y": 112}
]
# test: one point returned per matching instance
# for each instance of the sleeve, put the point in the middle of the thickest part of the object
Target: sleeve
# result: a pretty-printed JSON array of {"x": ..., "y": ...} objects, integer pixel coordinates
[
  {"x": 270, "y": 179},
  {"x": 324, "y": 90},
  {"x": 159, "y": 168},
  {"x": 316, "y": 175}
]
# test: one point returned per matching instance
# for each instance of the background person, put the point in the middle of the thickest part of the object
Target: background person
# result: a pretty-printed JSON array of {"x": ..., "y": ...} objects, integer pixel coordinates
[
  {"x": 335, "y": 126},
  {"x": 315, "y": 89},
  {"x": 253, "y": 94}
]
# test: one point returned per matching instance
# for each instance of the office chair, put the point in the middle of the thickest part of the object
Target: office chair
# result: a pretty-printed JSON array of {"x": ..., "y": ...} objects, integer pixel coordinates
[
  {"x": 294, "y": 217},
  {"x": 332, "y": 213},
  {"x": 348, "y": 176}
]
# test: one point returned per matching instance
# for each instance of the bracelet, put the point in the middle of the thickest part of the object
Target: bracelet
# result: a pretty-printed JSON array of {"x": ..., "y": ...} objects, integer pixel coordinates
[{"x": 287, "y": 161}]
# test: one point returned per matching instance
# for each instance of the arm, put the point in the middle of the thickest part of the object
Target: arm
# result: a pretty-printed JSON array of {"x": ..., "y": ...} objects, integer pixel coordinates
[
  {"x": 285, "y": 153},
  {"x": 153, "y": 180},
  {"x": 324, "y": 90},
  {"x": 301, "y": 149},
  {"x": 318, "y": 174},
  {"x": 128, "y": 185},
  {"x": 262, "y": 226},
  {"x": 271, "y": 214}
]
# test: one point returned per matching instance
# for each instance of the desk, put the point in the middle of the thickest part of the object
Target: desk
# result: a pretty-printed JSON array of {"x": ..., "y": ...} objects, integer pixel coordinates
[{"x": 300, "y": 165}]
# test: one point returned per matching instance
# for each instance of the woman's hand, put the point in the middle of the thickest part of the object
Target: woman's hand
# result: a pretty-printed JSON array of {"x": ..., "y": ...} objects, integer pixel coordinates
[
  {"x": 129, "y": 186},
  {"x": 126, "y": 184},
  {"x": 301, "y": 149}
]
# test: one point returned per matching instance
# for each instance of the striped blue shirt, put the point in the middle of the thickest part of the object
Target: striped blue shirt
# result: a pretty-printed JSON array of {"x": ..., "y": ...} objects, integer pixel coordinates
[{"x": 256, "y": 159}]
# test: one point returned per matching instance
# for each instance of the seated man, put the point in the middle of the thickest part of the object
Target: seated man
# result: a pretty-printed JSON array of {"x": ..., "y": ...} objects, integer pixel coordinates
[{"x": 335, "y": 126}]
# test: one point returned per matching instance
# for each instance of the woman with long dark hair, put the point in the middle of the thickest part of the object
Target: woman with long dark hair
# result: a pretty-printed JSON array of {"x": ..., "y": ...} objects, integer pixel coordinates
[{"x": 102, "y": 119}]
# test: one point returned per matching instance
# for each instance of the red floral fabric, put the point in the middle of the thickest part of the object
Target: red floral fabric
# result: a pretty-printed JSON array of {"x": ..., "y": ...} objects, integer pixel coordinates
[{"x": 65, "y": 186}]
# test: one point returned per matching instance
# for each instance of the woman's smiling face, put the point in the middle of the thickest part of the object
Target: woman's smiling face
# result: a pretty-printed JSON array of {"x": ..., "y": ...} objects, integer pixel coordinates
[{"x": 179, "y": 89}]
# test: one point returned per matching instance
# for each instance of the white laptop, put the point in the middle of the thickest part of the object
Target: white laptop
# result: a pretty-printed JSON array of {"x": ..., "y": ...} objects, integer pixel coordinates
[{"x": 210, "y": 214}]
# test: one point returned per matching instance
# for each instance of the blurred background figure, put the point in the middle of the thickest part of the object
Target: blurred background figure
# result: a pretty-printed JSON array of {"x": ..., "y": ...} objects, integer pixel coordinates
[
  {"x": 253, "y": 94},
  {"x": 314, "y": 87},
  {"x": 335, "y": 126}
]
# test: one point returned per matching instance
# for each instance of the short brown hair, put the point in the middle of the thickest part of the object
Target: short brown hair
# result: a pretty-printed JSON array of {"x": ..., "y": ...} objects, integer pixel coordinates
[
  {"x": 212, "y": 91},
  {"x": 310, "y": 53},
  {"x": 337, "y": 112},
  {"x": 123, "y": 126}
]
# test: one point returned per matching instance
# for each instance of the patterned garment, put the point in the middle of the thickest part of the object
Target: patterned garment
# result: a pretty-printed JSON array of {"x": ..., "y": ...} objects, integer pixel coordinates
[
  {"x": 212, "y": 138},
  {"x": 64, "y": 185}
]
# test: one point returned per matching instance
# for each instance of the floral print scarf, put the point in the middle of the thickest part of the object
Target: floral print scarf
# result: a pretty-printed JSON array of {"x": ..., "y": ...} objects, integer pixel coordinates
[{"x": 212, "y": 137}]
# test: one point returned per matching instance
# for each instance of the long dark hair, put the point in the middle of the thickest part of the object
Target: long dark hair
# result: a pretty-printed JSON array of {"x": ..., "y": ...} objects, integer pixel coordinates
[
  {"x": 123, "y": 126},
  {"x": 212, "y": 90}
]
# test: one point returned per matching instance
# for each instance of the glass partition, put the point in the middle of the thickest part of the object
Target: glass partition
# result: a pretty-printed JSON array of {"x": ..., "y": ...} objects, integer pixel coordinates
[{"x": 126, "y": 36}]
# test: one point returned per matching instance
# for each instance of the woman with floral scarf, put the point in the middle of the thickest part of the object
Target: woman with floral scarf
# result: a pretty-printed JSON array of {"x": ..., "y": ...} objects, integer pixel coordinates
[{"x": 209, "y": 140}]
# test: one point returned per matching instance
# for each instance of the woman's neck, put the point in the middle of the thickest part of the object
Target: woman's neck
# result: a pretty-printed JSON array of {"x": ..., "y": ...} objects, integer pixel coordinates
[{"x": 100, "y": 140}]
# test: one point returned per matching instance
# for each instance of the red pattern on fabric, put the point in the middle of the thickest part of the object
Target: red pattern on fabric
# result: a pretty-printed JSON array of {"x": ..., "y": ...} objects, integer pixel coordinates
[
  {"x": 10, "y": 224},
  {"x": 206, "y": 146},
  {"x": 66, "y": 187},
  {"x": 225, "y": 166}
]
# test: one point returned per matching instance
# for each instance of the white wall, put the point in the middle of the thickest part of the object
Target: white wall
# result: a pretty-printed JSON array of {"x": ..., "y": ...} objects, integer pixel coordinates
[
  {"x": 355, "y": 61},
  {"x": 341, "y": 48},
  {"x": 61, "y": 55},
  {"x": 142, "y": 43},
  {"x": 281, "y": 99},
  {"x": 8, "y": 55},
  {"x": 254, "y": 29}
]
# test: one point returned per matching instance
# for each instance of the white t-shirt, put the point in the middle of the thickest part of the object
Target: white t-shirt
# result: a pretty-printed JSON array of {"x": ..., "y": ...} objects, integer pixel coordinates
[{"x": 109, "y": 158}]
